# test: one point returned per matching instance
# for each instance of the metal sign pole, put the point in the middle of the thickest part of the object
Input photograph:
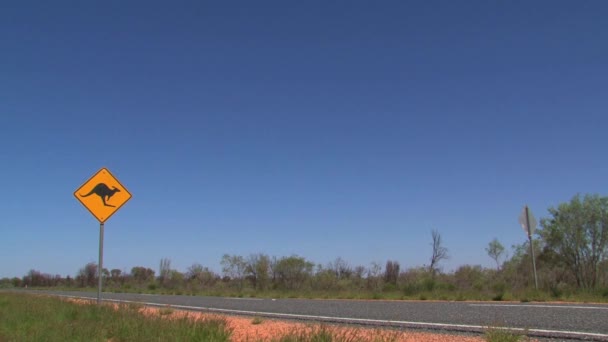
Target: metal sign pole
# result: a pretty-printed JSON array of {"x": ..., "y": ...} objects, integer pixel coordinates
[
  {"x": 531, "y": 248},
  {"x": 100, "y": 266}
]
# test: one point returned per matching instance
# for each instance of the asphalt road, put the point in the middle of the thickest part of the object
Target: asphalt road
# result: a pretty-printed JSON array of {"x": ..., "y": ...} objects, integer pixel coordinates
[{"x": 565, "y": 321}]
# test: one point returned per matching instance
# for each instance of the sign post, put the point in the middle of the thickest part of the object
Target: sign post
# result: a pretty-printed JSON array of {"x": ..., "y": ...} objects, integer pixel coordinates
[
  {"x": 100, "y": 267},
  {"x": 102, "y": 195},
  {"x": 528, "y": 223}
]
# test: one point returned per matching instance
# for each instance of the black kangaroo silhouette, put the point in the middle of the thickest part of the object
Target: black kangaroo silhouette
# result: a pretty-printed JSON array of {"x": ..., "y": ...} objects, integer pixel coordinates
[{"x": 104, "y": 192}]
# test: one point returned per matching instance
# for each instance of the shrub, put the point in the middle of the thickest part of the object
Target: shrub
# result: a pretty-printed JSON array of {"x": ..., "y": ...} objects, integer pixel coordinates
[
  {"x": 429, "y": 284},
  {"x": 556, "y": 292},
  {"x": 498, "y": 297},
  {"x": 411, "y": 289},
  {"x": 389, "y": 287},
  {"x": 499, "y": 291}
]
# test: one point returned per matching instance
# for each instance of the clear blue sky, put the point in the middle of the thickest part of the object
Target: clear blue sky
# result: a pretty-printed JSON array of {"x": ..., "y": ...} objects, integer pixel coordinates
[{"x": 317, "y": 128}]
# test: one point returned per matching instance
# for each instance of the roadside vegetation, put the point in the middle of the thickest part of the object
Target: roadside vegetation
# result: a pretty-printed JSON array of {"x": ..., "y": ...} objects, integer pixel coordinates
[
  {"x": 571, "y": 248},
  {"x": 37, "y": 318},
  {"x": 502, "y": 335},
  {"x": 323, "y": 333}
]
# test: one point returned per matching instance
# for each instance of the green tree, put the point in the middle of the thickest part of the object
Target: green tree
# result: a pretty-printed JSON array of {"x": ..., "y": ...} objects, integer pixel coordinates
[
  {"x": 293, "y": 271},
  {"x": 174, "y": 280},
  {"x": 374, "y": 276},
  {"x": 201, "y": 275},
  {"x": 142, "y": 274},
  {"x": 164, "y": 271},
  {"x": 258, "y": 270},
  {"x": 577, "y": 232},
  {"x": 517, "y": 270},
  {"x": 115, "y": 276},
  {"x": 17, "y": 282},
  {"x": 115, "y": 273},
  {"x": 495, "y": 250},
  {"x": 234, "y": 267},
  {"x": 87, "y": 276}
]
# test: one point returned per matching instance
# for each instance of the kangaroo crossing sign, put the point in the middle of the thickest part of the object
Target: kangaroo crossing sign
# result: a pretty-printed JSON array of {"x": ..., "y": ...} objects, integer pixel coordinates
[{"x": 102, "y": 194}]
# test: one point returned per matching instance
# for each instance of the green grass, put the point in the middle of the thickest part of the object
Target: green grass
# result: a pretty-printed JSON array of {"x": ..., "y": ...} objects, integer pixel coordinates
[
  {"x": 503, "y": 335},
  {"x": 167, "y": 310},
  {"x": 257, "y": 320},
  {"x": 322, "y": 333},
  {"x": 38, "y": 318}
]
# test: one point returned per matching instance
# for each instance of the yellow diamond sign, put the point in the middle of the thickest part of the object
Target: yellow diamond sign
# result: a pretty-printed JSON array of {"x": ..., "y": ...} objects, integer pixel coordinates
[{"x": 102, "y": 194}]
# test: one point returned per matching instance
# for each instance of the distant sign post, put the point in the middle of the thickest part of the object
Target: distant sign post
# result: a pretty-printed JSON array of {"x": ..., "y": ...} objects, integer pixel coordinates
[
  {"x": 102, "y": 195},
  {"x": 528, "y": 223}
]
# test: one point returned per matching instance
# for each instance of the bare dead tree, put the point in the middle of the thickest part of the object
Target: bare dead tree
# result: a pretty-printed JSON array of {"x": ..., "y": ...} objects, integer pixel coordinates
[
  {"x": 340, "y": 268},
  {"x": 439, "y": 252}
]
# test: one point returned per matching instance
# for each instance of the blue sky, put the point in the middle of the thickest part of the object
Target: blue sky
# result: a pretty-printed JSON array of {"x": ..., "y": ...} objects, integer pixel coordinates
[{"x": 317, "y": 128}]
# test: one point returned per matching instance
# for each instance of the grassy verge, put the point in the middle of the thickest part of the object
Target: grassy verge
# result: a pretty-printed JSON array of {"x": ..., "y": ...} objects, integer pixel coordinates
[
  {"x": 322, "y": 333},
  {"x": 503, "y": 335},
  {"x": 37, "y": 318}
]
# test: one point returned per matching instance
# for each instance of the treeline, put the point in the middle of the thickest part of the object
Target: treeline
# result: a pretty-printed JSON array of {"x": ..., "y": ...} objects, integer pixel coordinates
[{"x": 571, "y": 252}]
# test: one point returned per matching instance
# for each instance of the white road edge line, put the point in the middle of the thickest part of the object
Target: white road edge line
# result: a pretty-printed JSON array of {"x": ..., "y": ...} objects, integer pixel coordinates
[
  {"x": 543, "y": 306},
  {"x": 351, "y": 320}
]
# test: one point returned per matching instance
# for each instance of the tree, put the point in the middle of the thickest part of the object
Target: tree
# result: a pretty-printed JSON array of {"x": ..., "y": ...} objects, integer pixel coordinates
[
  {"x": 325, "y": 279},
  {"x": 142, "y": 274},
  {"x": 201, "y": 275},
  {"x": 516, "y": 270},
  {"x": 293, "y": 271},
  {"x": 273, "y": 269},
  {"x": 391, "y": 272},
  {"x": 439, "y": 252},
  {"x": 374, "y": 276},
  {"x": 174, "y": 280},
  {"x": 358, "y": 272},
  {"x": 341, "y": 268},
  {"x": 69, "y": 282},
  {"x": 87, "y": 276},
  {"x": 35, "y": 278},
  {"x": 115, "y": 273},
  {"x": 258, "y": 269},
  {"x": 577, "y": 232},
  {"x": 164, "y": 271},
  {"x": 233, "y": 267},
  {"x": 17, "y": 282},
  {"x": 495, "y": 250}
]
